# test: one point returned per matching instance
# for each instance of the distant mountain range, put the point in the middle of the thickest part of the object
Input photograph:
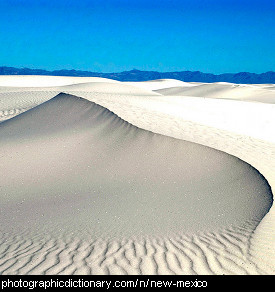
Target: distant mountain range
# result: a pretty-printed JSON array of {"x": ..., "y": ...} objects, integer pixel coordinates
[{"x": 137, "y": 75}]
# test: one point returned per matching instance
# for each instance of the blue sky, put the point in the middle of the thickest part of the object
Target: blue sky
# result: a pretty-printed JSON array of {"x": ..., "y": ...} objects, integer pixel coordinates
[{"x": 116, "y": 35}]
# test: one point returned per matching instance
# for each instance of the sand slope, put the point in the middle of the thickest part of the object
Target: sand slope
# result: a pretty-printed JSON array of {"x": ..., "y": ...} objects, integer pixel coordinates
[
  {"x": 223, "y": 90},
  {"x": 15, "y": 100},
  {"x": 137, "y": 168},
  {"x": 46, "y": 81},
  {"x": 108, "y": 197},
  {"x": 160, "y": 84}
]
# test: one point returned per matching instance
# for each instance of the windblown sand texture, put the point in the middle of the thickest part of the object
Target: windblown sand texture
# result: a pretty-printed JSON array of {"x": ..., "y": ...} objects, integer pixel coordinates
[{"x": 160, "y": 177}]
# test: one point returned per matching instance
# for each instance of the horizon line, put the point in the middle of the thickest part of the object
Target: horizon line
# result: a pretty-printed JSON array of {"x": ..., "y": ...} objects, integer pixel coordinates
[{"x": 134, "y": 69}]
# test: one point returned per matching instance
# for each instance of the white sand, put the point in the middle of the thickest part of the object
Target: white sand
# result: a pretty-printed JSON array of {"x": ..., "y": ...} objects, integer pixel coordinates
[
  {"x": 246, "y": 92},
  {"x": 93, "y": 180},
  {"x": 46, "y": 81},
  {"x": 160, "y": 84}
]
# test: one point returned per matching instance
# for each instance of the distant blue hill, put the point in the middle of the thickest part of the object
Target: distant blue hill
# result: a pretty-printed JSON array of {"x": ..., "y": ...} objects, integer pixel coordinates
[{"x": 137, "y": 75}]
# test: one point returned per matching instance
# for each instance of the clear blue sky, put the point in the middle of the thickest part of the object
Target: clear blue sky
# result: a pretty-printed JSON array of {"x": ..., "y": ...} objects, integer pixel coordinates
[{"x": 215, "y": 36}]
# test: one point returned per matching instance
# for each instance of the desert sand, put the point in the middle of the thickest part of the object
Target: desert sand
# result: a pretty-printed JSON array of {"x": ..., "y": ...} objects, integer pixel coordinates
[{"x": 159, "y": 177}]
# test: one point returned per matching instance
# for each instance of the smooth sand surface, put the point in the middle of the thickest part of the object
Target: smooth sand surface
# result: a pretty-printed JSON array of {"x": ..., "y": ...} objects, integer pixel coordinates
[
  {"x": 47, "y": 81},
  {"x": 224, "y": 90},
  {"x": 160, "y": 84},
  {"x": 113, "y": 178}
]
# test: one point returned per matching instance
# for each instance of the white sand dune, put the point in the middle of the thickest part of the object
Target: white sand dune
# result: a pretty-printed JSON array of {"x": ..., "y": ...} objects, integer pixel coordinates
[
  {"x": 15, "y": 100},
  {"x": 108, "y": 87},
  {"x": 98, "y": 181},
  {"x": 46, "y": 81},
  {"x": 160, "y": 84},
  {"x": 223, "y": 90},
  {"x": 14, "y": 103},
  {"x": 93, "y": 86}
]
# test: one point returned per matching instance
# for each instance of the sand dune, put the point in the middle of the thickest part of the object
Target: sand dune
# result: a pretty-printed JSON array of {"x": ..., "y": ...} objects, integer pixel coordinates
[
  {"x": 93, "y": 86},
  {"x": 15, "y": 100},
  {"x": 46, "y": 81},
  {"x": 160, "y": 84},
  {"x": 14, "y": 103},
  {"x": 108, "y": 87},
  {"x": 114, "y": 186},
  {"x": 224, "y": 90}
]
